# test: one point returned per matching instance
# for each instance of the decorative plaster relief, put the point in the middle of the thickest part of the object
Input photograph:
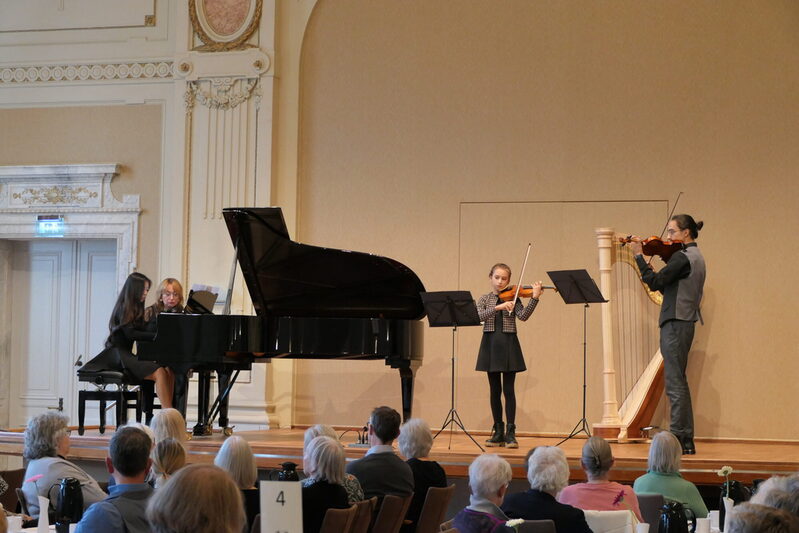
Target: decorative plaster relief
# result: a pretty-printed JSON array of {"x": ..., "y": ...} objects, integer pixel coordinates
[
  {"x": 224, "y": 24},
  {"x": 86, "y": 71},
  {"x": 222, "y": 93}
]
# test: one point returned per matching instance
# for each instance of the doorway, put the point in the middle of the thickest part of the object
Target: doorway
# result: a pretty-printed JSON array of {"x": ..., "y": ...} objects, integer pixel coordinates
[{"x": 62, "y": 292}]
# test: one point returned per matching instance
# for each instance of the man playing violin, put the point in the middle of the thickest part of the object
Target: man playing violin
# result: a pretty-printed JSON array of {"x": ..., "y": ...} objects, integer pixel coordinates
[{"x": 681, "y": 281}]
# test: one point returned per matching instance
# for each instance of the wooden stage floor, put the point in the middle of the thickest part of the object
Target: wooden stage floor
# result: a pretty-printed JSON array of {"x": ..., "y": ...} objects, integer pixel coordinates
[{"x": 749, "y": 459}]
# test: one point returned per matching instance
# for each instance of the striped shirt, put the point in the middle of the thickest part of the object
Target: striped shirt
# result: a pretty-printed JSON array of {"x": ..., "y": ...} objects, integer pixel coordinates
[{"x": 486, "y": 310}]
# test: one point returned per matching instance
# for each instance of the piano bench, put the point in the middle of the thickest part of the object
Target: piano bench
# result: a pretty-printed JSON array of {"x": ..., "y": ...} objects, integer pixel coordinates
[{"x": 125, "y": 399}]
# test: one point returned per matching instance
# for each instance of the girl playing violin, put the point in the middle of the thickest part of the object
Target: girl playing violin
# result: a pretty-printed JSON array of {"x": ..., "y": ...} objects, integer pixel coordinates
[{"x": 500, "y": 352}]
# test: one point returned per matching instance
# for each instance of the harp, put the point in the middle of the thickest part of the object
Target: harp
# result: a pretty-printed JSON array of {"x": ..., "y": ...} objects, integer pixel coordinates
[{"x": 633, "y": 365}]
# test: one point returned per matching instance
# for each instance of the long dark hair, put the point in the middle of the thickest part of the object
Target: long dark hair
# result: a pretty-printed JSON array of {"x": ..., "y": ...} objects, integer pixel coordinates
[
  {"x": 129, "y": 308},
  {"x": 687, "y": 222}
]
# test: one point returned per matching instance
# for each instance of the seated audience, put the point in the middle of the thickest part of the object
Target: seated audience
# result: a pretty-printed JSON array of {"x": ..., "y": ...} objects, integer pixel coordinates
[
  {"x": 781, "y": 492},
  {"x": 599, "y": 493},
  {"x": 46, "y": 445},
  {"x": 351, "y": 483},
  {"x": 168, "y": 456},
  {"x": 754, "y": 518},
  {"x": 169, "y": 423},
  {"x": 199, "y": 498},
  {"x": 123, "y": 510},
  {"x": 489, "y": 477},
  {"x": 381, "y": 471},
  {"x": 663, "y": 475},
  {"x": 548, "y": 474},
  {"x": 324, "y": 461},
  {"x": 415, "y": 441},
  {"x": 235, "y": 457}
]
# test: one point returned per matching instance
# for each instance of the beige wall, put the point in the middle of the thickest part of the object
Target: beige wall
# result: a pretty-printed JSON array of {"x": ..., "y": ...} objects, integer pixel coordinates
[
  {"x": 129, "y": 135},
  {"x": 419, "y": 119}
]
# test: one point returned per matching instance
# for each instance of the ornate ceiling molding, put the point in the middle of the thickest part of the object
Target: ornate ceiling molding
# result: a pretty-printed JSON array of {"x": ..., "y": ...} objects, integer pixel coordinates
[{"x": 86, "y": 72}]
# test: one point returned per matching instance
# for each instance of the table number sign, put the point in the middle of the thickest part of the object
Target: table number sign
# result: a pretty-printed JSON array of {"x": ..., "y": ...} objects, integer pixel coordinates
[{"x": 281, "y": 507}]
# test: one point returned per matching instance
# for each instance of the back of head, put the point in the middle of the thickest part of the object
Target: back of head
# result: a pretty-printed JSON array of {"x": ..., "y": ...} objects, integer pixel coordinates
[
  {"x": 235, "y": 457},
  {"x": 597, "y": 457},
  {"x": 324, "y": 460},
  {"x": 42, "y": 434},
  {"x": 318, "y": 430},
  {"x": 487, "y": 474},
  {"x": 415, "y": 438},
  {"x": 168, "y": 423},
  {"x": 687, "y": 222},
  {"x": 665, "y": 453},
  {"x": 386, "y": 423},
  {"x": 169, "y": 456},
  {"x": 781, "y": 492},
  {"x": 548, "y": 470},
  {"x": 199, "y": 498},
  {"x": 754, "y": 518},
  {"x": 129, "y": 451}
]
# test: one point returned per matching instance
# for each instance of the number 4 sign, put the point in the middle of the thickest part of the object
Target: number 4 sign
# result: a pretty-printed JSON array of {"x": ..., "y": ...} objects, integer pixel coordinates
[{"x": 281, "y": 507}]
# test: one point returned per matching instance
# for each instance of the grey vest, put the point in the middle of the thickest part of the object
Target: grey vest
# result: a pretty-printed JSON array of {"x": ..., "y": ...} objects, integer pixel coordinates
[{"x": 681, "y": 300}]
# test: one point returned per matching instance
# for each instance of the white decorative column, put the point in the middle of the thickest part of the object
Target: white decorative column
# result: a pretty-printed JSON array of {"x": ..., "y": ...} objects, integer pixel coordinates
[
  {"x": 611, "y": 423},
  {"x": 226, "y": 76}
]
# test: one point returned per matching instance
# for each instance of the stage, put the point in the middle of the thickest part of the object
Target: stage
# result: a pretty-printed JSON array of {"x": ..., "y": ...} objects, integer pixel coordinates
[{"x": 749, "y": 459}]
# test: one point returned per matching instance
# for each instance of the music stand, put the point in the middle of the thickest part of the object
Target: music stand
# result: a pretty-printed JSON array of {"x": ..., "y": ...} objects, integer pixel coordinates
[
  {"x": 451, "y": 309},
  {"x": 577, "y": 287}
]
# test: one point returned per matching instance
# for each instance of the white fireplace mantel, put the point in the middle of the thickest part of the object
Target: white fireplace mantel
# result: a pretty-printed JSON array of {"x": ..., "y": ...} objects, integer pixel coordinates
[{"x": 81, "y": 194}]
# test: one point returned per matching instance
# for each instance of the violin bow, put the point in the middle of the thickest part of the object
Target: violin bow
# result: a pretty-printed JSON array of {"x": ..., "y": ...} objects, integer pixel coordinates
[{"x": 521, "y": 276}]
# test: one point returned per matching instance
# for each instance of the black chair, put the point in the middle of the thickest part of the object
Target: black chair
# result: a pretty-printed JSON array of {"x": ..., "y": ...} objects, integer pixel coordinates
[{"x": 650, "y": 506}]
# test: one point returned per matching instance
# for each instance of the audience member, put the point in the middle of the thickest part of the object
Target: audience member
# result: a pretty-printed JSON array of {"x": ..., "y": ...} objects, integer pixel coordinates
[
  {"x": 199, "y": 498},
  {"x": 236, "y": 458},
  {"x": 324, "y": 461},
  {"x": 599, "y": 493},
  {"x": 663, "y": 475},
  {"x": 548, "y": 474},
  {"x": 381, "y": 471},
  {"x": 781, "y": 492},
  {"x": 754, "y": 518},
  {"x": 46, "y": 445},
  {"x": 415, "y": 441},
  {"x": 351, "y": 483},
  {"x": 123, "y": 511},
  {"x": 168, "y": 456},
  {"x": 169, "y": 423},
  {"x": 489, "y": 477}
]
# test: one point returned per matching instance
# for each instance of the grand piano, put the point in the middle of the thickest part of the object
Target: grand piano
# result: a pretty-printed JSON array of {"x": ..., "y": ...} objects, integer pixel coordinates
[{"x": 310, "y": 302}]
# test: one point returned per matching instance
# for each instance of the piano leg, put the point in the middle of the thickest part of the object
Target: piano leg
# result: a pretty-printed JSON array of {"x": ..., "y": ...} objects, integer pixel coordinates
[
  {"x": 203, "y": 403},
  {"x": 223, "y": 379},
  {"x": 406, "y": 379}
]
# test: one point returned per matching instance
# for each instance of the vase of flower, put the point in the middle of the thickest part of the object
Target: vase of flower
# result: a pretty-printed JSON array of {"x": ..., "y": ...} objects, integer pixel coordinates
[{"x": 732, "y": 490}]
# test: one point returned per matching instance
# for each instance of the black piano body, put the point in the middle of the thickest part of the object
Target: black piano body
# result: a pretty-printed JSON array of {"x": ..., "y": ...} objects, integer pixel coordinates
[{"x": 310, "y": 303}]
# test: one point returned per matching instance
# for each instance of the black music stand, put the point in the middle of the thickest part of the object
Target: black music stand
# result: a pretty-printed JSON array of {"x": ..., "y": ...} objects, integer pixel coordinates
[
  {"x": 451, "y": 309},
  {"x": 577, "y": 287}
]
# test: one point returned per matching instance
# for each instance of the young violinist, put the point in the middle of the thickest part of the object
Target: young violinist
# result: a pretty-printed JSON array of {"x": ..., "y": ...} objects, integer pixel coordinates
[
  {"x": 681, "y": 281},
  {"x": 500, "y": 353}
]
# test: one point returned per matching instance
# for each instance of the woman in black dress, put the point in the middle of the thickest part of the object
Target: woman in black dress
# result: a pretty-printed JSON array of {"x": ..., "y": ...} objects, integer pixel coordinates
[
  {"x": 127, "y": 325},
  {"x": 500, "y": 352}
]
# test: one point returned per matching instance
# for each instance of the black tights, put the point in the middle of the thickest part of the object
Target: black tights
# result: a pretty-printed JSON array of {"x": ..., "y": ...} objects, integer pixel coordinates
[{"x": 498, "y": 383}]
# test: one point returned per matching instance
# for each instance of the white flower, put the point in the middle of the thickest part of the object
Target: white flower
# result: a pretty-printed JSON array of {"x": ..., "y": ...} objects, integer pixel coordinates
[{"x": 725, "y": 471}]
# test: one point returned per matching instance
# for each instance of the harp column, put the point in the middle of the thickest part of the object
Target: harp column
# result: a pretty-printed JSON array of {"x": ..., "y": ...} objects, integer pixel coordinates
[{"x": 611, "y": 423}]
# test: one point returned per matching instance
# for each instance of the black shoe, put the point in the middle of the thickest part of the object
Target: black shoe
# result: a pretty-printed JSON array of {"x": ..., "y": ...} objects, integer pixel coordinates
[
  {"x": 510, "y": 437},
  {"x": 497, "y": 435},
  {"x": 687, "y": 444}
]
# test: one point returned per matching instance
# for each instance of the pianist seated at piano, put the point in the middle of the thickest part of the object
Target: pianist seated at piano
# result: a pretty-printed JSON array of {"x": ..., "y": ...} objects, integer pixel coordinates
[
  {"x": 126, "y": 326},
  {"x": 168, "y": 299}
]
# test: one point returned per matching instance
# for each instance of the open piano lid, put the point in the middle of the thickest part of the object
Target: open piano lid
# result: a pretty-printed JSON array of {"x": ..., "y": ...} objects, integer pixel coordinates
[{"x": 286, "y": 278}]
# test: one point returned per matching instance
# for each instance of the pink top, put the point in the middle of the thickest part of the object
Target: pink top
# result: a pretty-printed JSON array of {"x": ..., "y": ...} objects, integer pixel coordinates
[{"x": 600, "y": 497}]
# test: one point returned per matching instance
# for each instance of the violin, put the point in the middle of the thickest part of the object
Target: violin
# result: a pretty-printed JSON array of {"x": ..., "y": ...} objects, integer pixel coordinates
[
  {"x": 507, "y": 294},
  {"x": 656, "y": 246}
]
